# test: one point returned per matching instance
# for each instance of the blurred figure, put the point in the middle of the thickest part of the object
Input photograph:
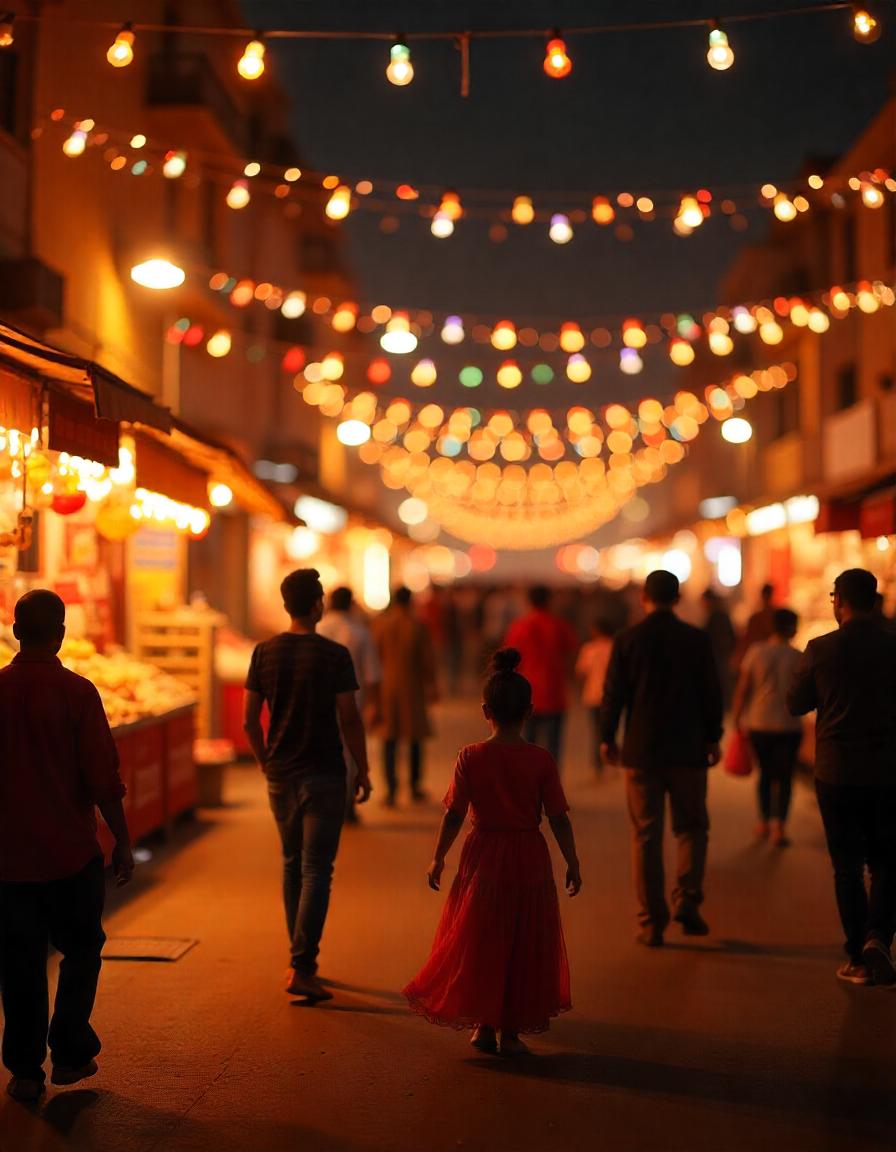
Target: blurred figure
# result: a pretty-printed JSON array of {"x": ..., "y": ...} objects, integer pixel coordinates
[
  {"x": 760, "y": 709},
  {"x": 759, "y": 625},
  {"x": 547, "y": 645},
  {"x": 498, "y": 962},
  {"x": 498, "y": 610},
  {"x": 881, "y": 616},
  {"x": 408, "y": 686},
  {"x": 849, "y": 678},
  {"x": 662, "y": 679},
  {"x": 57, "y": 762},
  {"x": 722, "y": 637},
  {"x": 309, "y": 686},
  {"x": 342, "y": 625},
  {"x": 591, "y": 665}
]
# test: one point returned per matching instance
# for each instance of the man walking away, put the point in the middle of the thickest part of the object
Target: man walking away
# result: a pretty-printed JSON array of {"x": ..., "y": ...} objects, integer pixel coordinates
[
  {"x": 409, "y": 685},
  {"x": 849, "y": 677},
  {"x": 309, "y": 686},
  {"x": 547, "y": 645},
  {"x": 58, "y": 762},
  {"x": 663, "y": 679},
  {"x": 341, "y": 625}
]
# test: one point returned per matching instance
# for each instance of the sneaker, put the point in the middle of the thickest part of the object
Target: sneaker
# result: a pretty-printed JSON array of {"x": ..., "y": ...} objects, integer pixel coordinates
[
  {"x": 650, "y": 936},
  {"x": 67, "y": 1074},
  {"x": 854, "y": 972},
  {"x": 692, "y": 923},
  {"x": 305, "y": 984},
  {"x": 876, "y": 958},
  {"x": 25, "y": 1090}
]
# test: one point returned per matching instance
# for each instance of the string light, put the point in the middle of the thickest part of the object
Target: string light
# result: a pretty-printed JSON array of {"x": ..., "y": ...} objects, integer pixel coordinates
[
  {"x": 451, "y": 206},
  {"x": 174, "y": 165},
  {"x": 121, "y": 50},
  {"x": 7, "y": 26},
  {"x": 453, "y": 330},
  {"x": 251, "y": 63},
  {"x": 239, "y": 195},
  {"x": 522, "y": 211},
  {"x": 689, "y": 212},
  {"x": 340, "y": 203},
  {"x": 400, "y": 70},
  {"x": 398, "y": 337},
  {"x": 75, "y": 144},
  {"x": 865, "y": 27},
  {"x": 720, "y": 55},
  {"x": 872, "y": 197},
  {"x": 442, "y": 226},
  {"x": 561, "y": 229},
  {"x": 557, "y": 63}
]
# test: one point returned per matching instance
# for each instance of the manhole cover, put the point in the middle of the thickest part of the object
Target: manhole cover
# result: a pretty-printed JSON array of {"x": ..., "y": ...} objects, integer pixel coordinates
[{"x": 147, "y": 948}]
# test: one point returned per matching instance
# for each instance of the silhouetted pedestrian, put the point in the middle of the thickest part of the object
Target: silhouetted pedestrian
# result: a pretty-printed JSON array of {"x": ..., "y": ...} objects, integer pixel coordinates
[
  {"x": 547, "y": 645},
  {"x": 722, "y": 637},
  {"x": 341, "y": 625},
  {"x": 408, "y": 687},
  {"x": 58, "y": 762},
  {"x": 308, "y": 684},
  {"x": 662, "y": 679},
  {"x": 591, "y": 665},
  {"x": 760, "y": 709},
  {"x": 849, "y": 678},
  {"x": 498, "y": 962}
]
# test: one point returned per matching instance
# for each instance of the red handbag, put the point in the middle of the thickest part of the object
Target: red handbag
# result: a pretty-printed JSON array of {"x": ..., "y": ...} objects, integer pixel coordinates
[{"x": 738, "y": 760}]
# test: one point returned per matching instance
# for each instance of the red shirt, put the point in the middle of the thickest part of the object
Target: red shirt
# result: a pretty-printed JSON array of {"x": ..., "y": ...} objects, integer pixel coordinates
[
  {"x": 508, "y": 786},
  {"x": 546, "y": 643},
  {"x": 57, "y": 761}
]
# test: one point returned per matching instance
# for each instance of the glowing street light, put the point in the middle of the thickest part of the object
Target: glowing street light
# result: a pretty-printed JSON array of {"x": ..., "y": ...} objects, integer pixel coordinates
[{"x": 158, "y": 274}]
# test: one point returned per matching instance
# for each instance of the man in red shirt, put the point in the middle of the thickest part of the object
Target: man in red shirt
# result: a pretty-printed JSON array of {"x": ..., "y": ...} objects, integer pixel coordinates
[
  {"x": 547, "y": 645},
  {"x": 58, "y": 762}
]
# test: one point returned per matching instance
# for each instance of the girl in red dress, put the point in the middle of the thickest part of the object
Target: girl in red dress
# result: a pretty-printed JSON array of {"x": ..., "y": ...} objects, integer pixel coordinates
[{"x": 498, "y": 963}]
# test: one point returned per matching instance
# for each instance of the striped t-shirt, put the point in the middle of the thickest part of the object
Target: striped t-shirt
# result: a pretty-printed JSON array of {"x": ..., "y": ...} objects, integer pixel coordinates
[{"x": 299, "y": 677}]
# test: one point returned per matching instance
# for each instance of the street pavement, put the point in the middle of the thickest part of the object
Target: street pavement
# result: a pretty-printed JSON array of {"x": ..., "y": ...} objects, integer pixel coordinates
[{"x": 744, "y": 1040}]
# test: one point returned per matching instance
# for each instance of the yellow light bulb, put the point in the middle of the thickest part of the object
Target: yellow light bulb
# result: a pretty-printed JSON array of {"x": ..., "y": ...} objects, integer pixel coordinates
[
  {"x": 400, "y": 71},
  {"x": 720, "y": 55},
  {"x": 865, "y": 28},
  {"x": 121, "y": 50},
  {"x": 6, "y": 29},
  {"x": 251, "y": 64},
  {"x": 339, "y": 204},
  {"x": 522, "y": 211}
]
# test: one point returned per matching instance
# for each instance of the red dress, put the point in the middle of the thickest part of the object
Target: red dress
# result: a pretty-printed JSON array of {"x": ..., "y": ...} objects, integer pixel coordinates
[{"x": 499, "y": 958}]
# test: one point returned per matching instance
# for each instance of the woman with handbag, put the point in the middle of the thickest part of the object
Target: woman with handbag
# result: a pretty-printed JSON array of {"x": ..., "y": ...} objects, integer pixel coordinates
[{"x": 760, "y": 709}]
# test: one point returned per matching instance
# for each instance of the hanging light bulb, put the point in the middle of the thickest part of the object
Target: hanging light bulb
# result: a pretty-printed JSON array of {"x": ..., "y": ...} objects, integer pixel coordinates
[
  {"x": 557, "y": 63},
  {"x": 681, "y": 353},
  {"x": 720, "y": 55},
  {"x": 504, "y": 335},
  {"x": 602, "y": 211},
  {"x": 522, "y": 211},
  {"x": 561, "y": 229},
  {"x": 7, "y": 23},
  {"x": 630, "y": 362},
  {"x": 239, "y": 195},
  {"x": 121, "y": 50},
  {"x": 442, "y": 226},
  {"x": 251, "y": 63},
  {"x": 578, "y": 370},
  {"x": 174, "y": 165},
  {"x": 865, "y": 27},
  {"x": 453, "y": 330},
  {"x": 784, "y": 208},
  {"x": 75, "y": 144},
  {"x": 872, "y": 197},
  {"x": 572, "y": 338},
  {"x": 633, "y": 333},
  {"x": 509, "y": 374},
  {"x": 400, "y": 70},
  {"x": 424, "y": 374},
  {"x": 689, "y": 212},
  {"x": 451, "y": 206},
  {"x": 339, "y": 204},
  {"x": 398, "y": 337}
]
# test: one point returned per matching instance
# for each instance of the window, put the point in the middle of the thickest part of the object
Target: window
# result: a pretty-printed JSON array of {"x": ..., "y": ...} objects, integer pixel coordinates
[{"x": 847, "y": 387}]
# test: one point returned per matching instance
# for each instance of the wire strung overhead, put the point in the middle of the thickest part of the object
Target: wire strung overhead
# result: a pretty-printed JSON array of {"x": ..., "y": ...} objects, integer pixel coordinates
[{"x": 399, "y": 70}]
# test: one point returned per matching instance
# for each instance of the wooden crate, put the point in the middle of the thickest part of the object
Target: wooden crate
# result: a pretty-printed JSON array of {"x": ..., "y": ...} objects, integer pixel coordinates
[{"x": 182, "y": 643}]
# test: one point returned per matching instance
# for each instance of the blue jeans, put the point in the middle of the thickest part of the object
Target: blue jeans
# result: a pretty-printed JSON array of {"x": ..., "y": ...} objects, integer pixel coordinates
[
  {"x": 309, "y": 812},
  {"x": 546, "y": 730}
]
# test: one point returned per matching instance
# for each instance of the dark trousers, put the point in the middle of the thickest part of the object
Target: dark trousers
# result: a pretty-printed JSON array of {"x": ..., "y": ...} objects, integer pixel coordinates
[
  {"x": 415, "y": 756},
  {"x": 546, "y": 730},
  {"x": 776, "y": 753},
  {"x": 67, "y": 914},
  {"x": 860, "y": 826},
  {"x": 309, "y": 813},
  {"x": 646, "y": 793}
]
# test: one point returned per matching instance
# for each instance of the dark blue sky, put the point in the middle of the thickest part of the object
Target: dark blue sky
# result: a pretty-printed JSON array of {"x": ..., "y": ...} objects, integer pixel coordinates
[{"x": 639, "y": 111}]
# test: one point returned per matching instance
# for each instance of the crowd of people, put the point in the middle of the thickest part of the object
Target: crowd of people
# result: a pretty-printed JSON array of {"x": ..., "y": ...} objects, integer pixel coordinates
[{"x": 658, "y": 692}]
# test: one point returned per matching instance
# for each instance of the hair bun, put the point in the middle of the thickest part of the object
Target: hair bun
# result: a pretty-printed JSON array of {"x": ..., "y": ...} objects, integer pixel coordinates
[{"x": 506, "y": 660}]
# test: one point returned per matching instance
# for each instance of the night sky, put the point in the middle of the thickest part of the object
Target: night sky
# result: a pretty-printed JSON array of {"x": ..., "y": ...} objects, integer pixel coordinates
[{"x": 639, "y": 112}]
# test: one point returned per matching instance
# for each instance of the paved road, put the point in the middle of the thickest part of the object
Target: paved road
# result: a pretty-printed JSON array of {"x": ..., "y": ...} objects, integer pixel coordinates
[{"x": 743, "y": 1041}]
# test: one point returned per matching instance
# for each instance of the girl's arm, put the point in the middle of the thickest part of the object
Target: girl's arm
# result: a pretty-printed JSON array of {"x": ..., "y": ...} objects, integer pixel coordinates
[
  {"x": 452, "y": 822},
  {"x": 561, "y": 826}
]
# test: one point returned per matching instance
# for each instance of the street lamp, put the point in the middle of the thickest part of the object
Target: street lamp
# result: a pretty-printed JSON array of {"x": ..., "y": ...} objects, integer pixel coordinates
[{"x": 158, "y": 274}]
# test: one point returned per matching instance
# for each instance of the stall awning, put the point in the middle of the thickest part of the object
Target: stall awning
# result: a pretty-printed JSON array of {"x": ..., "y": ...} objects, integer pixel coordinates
[
  {"x": 223, "y": 464},
  {"x": 111, "y": 397}
]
